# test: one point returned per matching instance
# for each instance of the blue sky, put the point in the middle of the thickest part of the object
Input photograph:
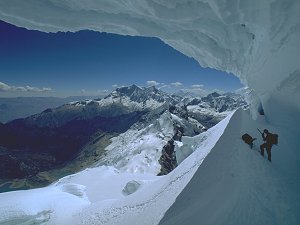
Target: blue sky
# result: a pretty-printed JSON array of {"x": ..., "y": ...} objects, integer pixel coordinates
[{"x": 33, "y": 63}]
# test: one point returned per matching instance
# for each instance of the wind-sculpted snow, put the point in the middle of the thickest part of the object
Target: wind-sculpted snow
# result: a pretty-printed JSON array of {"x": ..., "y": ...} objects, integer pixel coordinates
[{"x": 257, "y": 40}]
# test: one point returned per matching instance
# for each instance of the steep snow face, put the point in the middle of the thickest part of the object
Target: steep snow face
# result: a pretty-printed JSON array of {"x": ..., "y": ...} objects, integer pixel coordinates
[
  {"x": 236, "y": 185},
  {"x": 138, "y": 151},
  {"x": 256, "y": 40}
]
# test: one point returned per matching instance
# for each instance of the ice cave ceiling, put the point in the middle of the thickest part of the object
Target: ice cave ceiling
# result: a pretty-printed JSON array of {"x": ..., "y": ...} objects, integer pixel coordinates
[{"x": 257, "y": 40}]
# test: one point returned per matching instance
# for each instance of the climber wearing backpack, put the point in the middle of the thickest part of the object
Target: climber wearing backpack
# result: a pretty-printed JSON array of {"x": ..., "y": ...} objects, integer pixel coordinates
[{"x": 269, "y": 139}]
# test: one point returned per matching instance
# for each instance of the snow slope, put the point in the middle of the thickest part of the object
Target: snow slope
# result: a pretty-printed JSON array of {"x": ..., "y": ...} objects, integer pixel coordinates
[{"x": 235, "y": 185}]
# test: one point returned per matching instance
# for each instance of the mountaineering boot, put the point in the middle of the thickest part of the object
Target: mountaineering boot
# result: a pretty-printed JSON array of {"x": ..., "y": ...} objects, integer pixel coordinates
[
  {"x": 269, "y": 154},
  {"x": 262, "y": 150}
]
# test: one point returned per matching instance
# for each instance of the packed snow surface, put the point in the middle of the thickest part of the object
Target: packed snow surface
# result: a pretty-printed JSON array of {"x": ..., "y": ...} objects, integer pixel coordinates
[{"x": 236, "y": 185}]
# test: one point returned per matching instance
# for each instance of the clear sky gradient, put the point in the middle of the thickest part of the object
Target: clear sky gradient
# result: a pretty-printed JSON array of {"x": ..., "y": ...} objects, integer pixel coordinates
[{"x": 88, "y": 62}]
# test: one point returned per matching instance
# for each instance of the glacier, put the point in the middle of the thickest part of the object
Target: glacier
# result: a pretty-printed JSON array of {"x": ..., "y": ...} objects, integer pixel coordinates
[{"x": 222, "y": 181}]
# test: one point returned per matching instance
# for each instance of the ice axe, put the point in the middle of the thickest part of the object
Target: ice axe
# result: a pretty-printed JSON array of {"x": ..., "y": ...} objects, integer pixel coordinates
[
  {"x": 262, "y": 135},
  {"x": 259, "y": 131}
]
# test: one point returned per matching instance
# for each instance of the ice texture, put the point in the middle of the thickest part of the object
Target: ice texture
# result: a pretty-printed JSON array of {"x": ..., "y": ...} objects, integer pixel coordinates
[{"x": 257, "y": 40}]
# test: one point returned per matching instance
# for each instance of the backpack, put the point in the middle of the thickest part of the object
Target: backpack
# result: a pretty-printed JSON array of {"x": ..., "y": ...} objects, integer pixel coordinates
[
  {"x": 248, "y": 139},
  {"x": 274, "y": 139}
]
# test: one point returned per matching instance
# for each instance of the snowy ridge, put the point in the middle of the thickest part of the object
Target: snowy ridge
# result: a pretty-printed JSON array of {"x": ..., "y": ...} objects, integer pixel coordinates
[
  {"x": 93, "y": 188},
  {"x": 235, "y": 185},
  {"x": 148, "y": 205},
  {"x": 133, "y": 98},
  {"x": 139, "y": 149},
  {"x": 122, "y": 101},
  {"x": 149, "y": 100}
]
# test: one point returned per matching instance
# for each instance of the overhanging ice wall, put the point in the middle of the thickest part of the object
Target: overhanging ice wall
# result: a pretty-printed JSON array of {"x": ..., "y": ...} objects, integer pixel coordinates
[{"x": 257, "y": 40}]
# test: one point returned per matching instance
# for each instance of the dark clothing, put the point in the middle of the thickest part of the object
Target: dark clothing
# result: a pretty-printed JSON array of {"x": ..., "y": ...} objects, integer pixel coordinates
[
  {"x": 268, "y": 148},
  {"x": 267, "y": 145}
]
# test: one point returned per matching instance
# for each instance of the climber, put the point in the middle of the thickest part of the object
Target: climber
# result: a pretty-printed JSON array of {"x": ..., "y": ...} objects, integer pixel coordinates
[
  {"x": 269, "y": 139},
  {"x": 248, "y": 140}
]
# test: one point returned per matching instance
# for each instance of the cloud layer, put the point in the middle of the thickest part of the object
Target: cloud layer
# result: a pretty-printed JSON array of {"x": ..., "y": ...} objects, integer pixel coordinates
[
  {"x": 197, "y": 86},
  {"x": 7, "y": 88},
  {"x": 176, "y": 84},
  {"x": 152, "y": 83}
]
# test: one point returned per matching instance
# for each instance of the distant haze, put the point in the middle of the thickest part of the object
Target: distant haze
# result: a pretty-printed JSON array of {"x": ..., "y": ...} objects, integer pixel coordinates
[{"x": 14, "y": 108}]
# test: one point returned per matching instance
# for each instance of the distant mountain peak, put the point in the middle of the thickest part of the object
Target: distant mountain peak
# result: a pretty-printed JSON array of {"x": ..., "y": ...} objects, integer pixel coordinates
[
  {"x": 152, "y": 88},
  {"x": 140, "y": 94},
  {"x": 128, "y": 90},
  {"x": 214, "y": 94}
]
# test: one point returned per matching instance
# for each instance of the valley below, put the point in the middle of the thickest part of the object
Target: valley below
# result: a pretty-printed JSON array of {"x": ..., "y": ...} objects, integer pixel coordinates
[{"x": 40, "y": 149}]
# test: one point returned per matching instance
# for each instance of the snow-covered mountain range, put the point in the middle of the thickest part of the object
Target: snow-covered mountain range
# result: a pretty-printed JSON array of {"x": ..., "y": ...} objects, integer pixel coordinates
[
  {"x": 150, "y": 130},
  {"x": 132, "y": 99},
  {"x": 146, "y": 123},
  {"x": 203, "y": 167}
]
